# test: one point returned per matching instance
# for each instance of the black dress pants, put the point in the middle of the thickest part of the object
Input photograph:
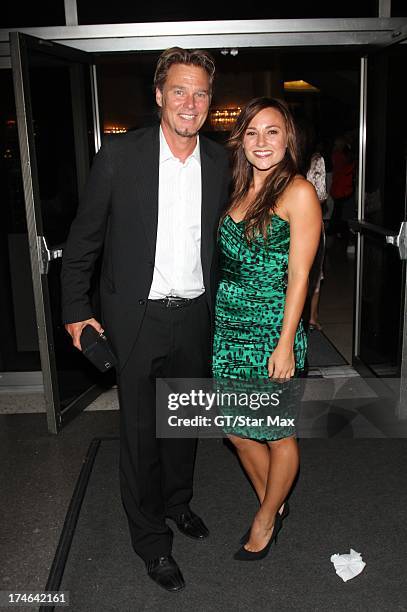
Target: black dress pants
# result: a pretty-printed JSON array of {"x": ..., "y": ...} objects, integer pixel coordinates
[
  {"x": 338, "y": 223},
  {"x": 156, "y": 474}
]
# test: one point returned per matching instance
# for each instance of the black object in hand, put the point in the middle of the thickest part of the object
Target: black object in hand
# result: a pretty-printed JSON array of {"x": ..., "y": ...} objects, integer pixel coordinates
[{"x": 96, "y": 348}]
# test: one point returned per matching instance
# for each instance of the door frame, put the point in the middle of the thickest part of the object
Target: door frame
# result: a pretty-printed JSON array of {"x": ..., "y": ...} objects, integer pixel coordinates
[
  {"x": 283, "y": 33},
  {"x": 360, "y": 366},
  {"x": 56, "y": 417}
]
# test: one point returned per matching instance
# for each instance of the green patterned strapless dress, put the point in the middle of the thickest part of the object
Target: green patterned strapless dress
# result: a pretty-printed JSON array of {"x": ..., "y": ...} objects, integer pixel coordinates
[{"x": 249, "y": 315}]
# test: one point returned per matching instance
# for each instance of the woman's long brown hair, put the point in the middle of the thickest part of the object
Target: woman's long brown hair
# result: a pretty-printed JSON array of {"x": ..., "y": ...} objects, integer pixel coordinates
[{"x": 263, "y": 206}]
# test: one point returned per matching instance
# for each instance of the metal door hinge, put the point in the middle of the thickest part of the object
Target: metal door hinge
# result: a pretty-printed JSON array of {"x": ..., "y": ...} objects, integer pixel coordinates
[{"x": 46, "y": 255}]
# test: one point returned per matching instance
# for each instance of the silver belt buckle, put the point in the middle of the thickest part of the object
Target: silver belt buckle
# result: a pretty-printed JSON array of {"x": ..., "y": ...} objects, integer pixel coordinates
[
  {"x": 174, "y": 301},
  {"x": 170, "y": 301}
]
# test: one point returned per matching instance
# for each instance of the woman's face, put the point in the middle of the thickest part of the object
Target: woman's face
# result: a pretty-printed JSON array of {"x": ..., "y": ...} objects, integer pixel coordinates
[{"x": 265, "y": 140}]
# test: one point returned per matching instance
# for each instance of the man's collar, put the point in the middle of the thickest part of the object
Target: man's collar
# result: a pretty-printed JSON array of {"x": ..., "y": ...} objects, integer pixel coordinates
[{"x": 166, "y": 153}]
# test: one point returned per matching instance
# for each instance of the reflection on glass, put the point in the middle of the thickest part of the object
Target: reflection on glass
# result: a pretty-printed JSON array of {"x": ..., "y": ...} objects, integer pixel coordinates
[
  {"x": 18, "y": 331},
  {"x": 386, "y": 144},
  {"x": 382, "y": 298},
  {"x": 381, "y": 307},
  {"x": 62, "y": 140}
]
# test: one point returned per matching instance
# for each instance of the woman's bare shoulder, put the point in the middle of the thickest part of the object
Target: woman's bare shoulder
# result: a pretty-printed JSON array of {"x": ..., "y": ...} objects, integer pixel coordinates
[
  {"x": 298, "y": 194},
  {"x": 299, "y": 186}
]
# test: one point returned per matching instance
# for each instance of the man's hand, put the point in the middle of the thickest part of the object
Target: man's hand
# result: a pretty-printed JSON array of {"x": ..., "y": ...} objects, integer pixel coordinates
[{"x": 75, "y": 330}]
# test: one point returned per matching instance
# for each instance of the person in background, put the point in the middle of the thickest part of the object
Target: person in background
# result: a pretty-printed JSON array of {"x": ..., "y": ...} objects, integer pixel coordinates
[
  {"x": 342, "y": 187},
  {"x": 313, "y": 168}
]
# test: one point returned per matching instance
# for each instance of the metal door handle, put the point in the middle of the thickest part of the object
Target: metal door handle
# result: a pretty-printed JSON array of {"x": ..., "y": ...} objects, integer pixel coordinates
[
  {"x": 46, "y": 254},
  {"x": 399, "y": 240}
]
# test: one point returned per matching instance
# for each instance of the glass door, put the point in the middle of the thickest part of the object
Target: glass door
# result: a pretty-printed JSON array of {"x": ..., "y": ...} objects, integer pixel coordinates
[
  {"x": 56, "y": 102},
  {"x": 380, "y": 345}
]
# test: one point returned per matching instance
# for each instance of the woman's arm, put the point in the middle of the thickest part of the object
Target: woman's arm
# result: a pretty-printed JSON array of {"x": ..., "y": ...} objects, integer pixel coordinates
[{"x": 303, "y": 210}]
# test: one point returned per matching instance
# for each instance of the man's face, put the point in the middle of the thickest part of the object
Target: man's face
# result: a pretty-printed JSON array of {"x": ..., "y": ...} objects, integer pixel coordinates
[{"x": 184, "y": 100}]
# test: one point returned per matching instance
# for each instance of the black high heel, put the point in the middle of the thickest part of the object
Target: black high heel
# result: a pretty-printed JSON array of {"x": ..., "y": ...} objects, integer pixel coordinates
[
  {"x": 246, "y": 555},
  {"x": 284, "y": 514}
]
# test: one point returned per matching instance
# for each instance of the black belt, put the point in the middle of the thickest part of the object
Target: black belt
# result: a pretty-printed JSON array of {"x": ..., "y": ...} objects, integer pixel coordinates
[{"x": 171, "y": 301}]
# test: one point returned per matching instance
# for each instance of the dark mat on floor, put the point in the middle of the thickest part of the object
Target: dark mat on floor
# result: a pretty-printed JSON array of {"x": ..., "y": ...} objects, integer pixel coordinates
[
  {"x": 350, "y": 494},
  {"x": 321, "y": 351}
]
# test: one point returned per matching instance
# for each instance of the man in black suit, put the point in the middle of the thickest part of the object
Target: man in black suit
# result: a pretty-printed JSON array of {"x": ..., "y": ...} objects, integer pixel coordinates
[{"x": 152, "y": 204}]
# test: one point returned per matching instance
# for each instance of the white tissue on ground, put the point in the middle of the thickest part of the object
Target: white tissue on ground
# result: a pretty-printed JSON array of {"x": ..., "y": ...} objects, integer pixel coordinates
[{"x": 348, "y": 566}]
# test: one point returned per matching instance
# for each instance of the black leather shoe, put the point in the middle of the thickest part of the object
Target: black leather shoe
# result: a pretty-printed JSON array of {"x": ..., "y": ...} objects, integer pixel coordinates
[
  {"x": 191, "y": 525},
  {"x": 166, "y": 573}
]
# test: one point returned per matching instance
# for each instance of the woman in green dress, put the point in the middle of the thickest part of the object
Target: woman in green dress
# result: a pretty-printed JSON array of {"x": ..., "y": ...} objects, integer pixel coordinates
[{"x": 268, "y": 238}]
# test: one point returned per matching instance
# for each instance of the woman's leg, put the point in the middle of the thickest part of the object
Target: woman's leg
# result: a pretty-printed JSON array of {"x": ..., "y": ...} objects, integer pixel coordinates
[
  {"x": 314, "y": 314},
  {"x": 283, "y": 467},
  {"x": 255, "y": 459}
]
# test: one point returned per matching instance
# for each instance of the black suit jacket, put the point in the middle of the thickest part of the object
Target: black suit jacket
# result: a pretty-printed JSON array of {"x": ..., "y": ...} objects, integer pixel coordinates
[{"x": 118, "y": 215}]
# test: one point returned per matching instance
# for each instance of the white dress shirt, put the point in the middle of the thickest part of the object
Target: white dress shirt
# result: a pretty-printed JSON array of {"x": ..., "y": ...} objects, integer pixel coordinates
[{"x": 177, "y": 266}]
